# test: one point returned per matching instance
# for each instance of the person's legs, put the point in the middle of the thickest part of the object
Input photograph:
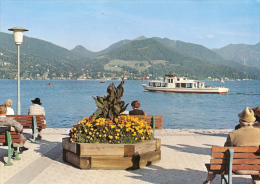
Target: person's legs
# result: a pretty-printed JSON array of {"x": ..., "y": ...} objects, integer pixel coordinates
[
  {"x": 255, "y": 179},
  {"x": 210, "y": 178}
]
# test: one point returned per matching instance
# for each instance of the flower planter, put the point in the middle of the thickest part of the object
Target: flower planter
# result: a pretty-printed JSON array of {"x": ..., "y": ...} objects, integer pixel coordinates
[{"x": 111, "y": 156}]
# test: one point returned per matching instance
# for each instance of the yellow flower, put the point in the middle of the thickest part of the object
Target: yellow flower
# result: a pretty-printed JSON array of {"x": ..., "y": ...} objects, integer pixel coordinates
[
  {"x": 110, "y": 137},
  {"x": 112, "y": 126},
  {"x": 140, "y": 131},
  {"x": 115, "y": 120},
  {"x": 90, "y": 133}
]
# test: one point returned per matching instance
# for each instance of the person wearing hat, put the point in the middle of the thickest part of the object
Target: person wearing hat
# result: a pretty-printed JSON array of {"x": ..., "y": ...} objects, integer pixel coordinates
[
  {"x": 257, "y": 118},
  {"x": 247, "y": 135},
  {"x": 37, "y": 109}
]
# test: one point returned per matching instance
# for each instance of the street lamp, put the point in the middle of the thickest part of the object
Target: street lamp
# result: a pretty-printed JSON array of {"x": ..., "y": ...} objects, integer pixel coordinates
[{"x": 18, "y": 39}]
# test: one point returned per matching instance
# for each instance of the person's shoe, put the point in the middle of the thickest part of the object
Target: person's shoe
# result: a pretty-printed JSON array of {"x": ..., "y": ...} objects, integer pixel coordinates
[
  {"x": 13, "y": 155},
  {"x": 22, "y": 149},
  {"x": 206, "y": 182},
  {"x": 39, "y": 137}
]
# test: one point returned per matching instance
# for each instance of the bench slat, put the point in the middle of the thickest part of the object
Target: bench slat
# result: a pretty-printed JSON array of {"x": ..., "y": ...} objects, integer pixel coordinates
[
  {"x": 14, "y": 135},
  {"x": 235, "y": 161},
  {"x": 236, "y": 149},
  {"x": 246, "y": 167}
]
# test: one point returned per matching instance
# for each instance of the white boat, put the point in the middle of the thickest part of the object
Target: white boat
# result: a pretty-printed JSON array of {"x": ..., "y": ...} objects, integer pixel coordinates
[{"x": 173, "y": 83}]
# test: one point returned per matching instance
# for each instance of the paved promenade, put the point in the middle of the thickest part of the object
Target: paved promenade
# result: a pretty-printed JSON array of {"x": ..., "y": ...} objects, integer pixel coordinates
[{"x": 184, "y": 153}]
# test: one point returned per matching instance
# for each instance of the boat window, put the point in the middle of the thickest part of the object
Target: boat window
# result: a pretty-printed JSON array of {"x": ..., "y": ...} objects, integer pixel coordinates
[
  {"x": 177, "y": 85},
  {"x": 189, "y": 85},
  {"x": 171, "y": 80},
  {"x": 183, "y": 85},
  {"x": 159, "y": 85},
  {"x": 150, "y": 84},
  {"x": 164, "y": 85},
  {"x": 154, "y": 85}
]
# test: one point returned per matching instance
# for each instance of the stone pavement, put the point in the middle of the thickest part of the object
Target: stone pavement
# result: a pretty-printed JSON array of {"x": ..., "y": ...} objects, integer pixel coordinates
[{"x": 184, "y": 153}]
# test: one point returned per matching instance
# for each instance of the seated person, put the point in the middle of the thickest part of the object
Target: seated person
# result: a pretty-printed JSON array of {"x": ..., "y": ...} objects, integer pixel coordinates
[
  {"x": 37, "y": 109},
  {"x": 257, "y": 115},
  {"x": 135, "y": 105},
  {"x": 247, "y": 135},
  {"x": 9, "y": 121},
  {"x": 8, "y": 104}
]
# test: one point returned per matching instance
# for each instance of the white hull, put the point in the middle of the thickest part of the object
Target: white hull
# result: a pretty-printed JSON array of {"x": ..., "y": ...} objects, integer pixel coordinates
[{"x": 186, "y": 90}]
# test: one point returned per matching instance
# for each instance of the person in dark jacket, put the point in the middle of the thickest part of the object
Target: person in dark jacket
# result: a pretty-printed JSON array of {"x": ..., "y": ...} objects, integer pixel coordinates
[
  {"x": 135, "y": 105},
  {"x": 3, "y": 129}
]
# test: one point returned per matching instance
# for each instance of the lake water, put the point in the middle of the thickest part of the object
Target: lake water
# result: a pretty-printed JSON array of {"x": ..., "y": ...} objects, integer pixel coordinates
[{"x": 69, "y": 101}]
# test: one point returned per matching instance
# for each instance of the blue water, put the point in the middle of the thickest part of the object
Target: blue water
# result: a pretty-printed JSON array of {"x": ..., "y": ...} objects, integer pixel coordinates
[{"x": 68, "y": 101}]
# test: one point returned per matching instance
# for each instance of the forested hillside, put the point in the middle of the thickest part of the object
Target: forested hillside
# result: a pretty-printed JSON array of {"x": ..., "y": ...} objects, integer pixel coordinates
[{"x": 139, "y": 57}]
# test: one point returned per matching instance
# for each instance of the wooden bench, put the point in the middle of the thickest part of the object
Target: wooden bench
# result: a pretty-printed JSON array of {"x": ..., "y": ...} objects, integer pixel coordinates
[
  {"x": 158, "y": 119},
  {"x": 229, "y": 160},
  {"x": 9, "y": 138},
  {"x": 33, "y": 122}
]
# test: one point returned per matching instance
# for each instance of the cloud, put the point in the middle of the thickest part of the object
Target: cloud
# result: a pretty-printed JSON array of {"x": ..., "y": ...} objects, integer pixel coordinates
[{"x": 210, "y": 36}]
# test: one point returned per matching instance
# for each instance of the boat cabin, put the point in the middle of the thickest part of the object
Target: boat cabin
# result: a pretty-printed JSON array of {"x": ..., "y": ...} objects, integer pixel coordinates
[{"x": 173, "y": 81}]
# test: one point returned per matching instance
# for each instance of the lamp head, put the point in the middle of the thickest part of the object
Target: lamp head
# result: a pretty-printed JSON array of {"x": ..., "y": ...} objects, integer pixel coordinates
[{"x": 18, "y": 34}]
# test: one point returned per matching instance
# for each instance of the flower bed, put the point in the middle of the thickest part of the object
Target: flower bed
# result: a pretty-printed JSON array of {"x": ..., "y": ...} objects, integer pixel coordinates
[
  {"x": 108, "y": 140},
  {"x": 124, "y": 130}
]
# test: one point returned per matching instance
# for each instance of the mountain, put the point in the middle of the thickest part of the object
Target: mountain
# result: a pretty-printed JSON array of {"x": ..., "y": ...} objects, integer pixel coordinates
[
  {"x": 88, "y": 54},
  {"x": 204, "y": 54},
  {"x": 247, "y": 55},
  {"x": 84, "y": 52},
  {"x": 139, "y": 57},
  {"x": 162, "y": 59},
  {"x": 37, "y": 57}
]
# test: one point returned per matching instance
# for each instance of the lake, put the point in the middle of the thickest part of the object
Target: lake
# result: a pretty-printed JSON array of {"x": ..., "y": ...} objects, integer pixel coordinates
[{"x": 68, "y": 101}]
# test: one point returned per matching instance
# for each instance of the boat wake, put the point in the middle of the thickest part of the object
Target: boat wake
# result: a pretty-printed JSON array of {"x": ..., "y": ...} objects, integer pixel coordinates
[{"x": 244, "y": 94}]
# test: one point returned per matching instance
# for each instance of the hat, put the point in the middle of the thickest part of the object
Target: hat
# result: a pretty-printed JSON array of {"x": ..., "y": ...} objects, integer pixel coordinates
[
  {"x": 247, "y": 115},
  {"x": 36, "y": 101}
]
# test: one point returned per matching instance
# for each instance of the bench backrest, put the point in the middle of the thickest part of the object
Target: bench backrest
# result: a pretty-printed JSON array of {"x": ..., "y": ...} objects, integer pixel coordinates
[
  {"x": 244, "y": 158},
  {"x": 149, "y": 119},
  {"x": 14, "y": 135},
  {"x": 27, "y": 120}
]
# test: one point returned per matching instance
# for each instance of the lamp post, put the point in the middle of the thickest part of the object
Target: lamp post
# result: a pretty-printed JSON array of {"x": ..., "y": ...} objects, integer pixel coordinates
[{"x": 18, "y": 39}]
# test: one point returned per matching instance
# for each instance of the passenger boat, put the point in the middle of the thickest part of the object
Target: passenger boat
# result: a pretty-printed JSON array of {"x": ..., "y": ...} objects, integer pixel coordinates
[{"x": 173, "y": 83}]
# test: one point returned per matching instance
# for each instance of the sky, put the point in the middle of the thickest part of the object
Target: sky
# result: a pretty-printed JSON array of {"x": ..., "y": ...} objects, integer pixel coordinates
[{"x": 97, "y": 24}]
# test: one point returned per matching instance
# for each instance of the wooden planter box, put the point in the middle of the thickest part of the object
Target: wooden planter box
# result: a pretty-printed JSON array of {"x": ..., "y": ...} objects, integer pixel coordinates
[{"x": 111, "y": 156}]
